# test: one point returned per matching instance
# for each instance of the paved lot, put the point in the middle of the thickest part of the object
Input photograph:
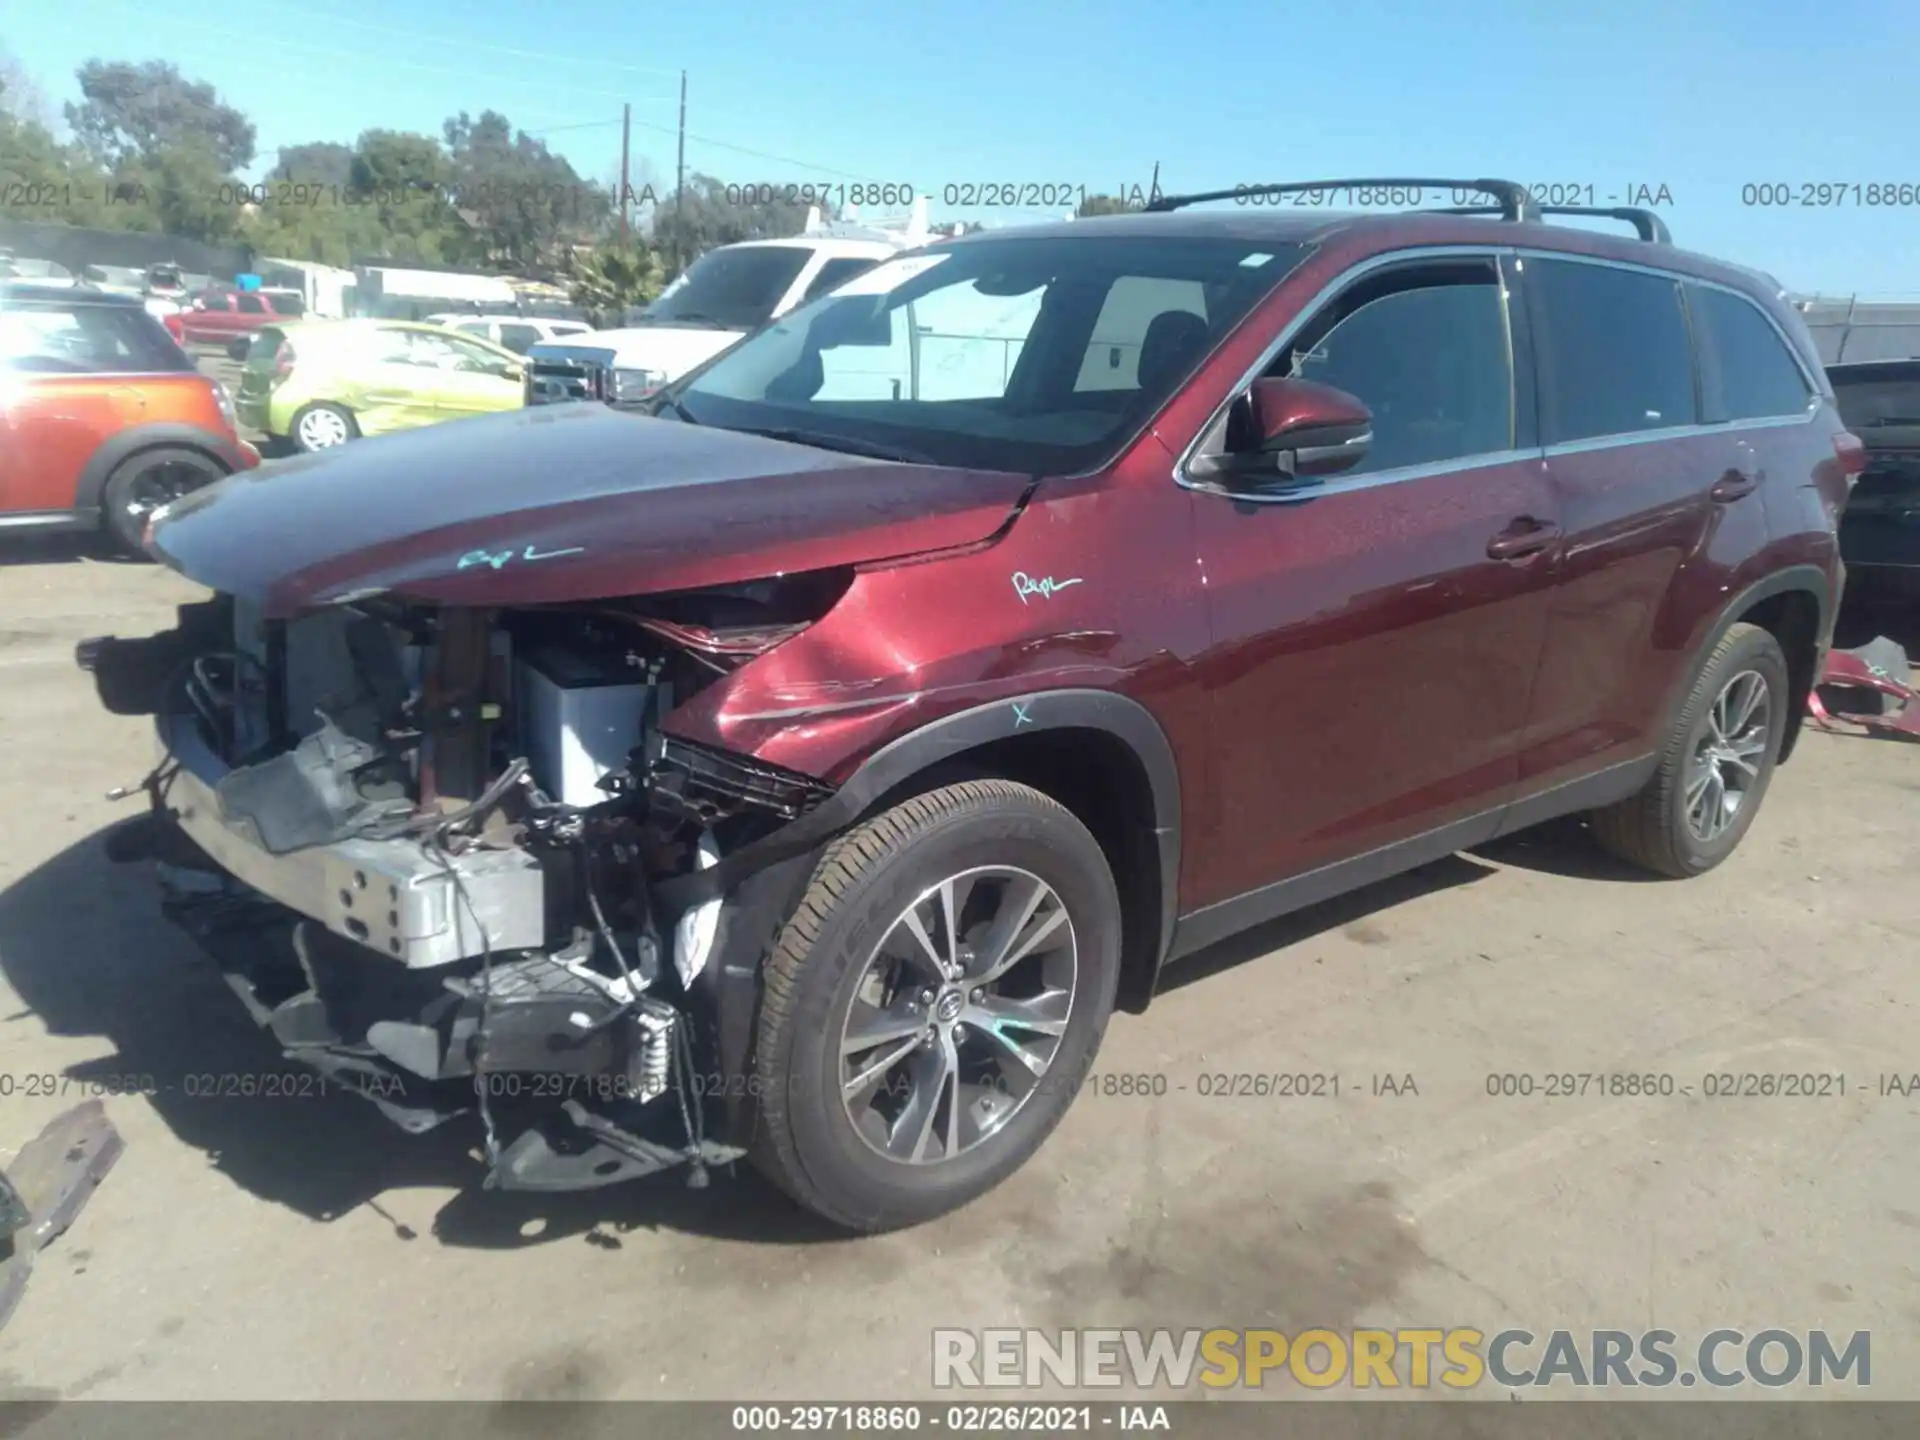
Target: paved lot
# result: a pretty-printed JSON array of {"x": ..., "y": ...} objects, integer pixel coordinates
[{"x": 301, "y": 1248}]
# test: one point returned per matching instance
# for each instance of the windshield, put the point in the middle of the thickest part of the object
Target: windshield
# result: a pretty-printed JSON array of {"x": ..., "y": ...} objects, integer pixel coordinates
[
  {"x": 1036, "y": 354},
  {"x": 1878, "y": 398},
  {"x": 733, "y": 288}
]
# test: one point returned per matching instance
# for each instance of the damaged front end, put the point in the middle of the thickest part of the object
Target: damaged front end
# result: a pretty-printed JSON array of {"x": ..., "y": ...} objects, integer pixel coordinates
[{"x": 449, "y": 859}]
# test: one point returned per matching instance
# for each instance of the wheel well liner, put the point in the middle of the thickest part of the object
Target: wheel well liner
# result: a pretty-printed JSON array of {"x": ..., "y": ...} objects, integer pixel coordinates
[
  {"x": 1017, "y": 738},
  {"x": 1796, "y": 605}
]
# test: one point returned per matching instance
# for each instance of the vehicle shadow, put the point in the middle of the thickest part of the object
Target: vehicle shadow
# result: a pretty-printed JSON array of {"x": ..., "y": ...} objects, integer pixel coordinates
[
  {"x": 67, "y": 548},
  {"x": 1335, "y": 914},
  {"x": 84, "y": 946},
  {"x": 1564, "y": 846}
]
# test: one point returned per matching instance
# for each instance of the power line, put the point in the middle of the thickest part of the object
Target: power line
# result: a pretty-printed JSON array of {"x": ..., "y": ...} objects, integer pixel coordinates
[{"x": 759, "y": 154}]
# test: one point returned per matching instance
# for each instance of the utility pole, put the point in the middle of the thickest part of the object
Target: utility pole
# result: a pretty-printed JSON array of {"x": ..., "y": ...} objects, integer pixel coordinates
[
  {"x": 626, "y": 137},
  {"x": 680, "y": 181}
]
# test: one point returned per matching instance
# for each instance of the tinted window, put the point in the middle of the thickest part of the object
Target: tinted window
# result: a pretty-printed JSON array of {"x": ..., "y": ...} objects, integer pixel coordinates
[
  {"x": 217, "y": 302},
  {"x": 1877, "y": 398},
  {"x": 1752, "y": 374},
  {"x": 836, "y": 273},
  {"x": 81, "y": 339},
  {"x": 1614, "y": 354},
  {"x": 520, "y": 338},
  {"x": 735, "y": 287},
  {"x": 290, "y": 305},
  {"x": 251, "y": 304},
  {"x": 1432, "y": 364}
]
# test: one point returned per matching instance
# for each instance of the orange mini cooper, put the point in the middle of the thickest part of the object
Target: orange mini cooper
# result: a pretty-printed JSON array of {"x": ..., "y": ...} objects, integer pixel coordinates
[{"x": 103, "y": 418}]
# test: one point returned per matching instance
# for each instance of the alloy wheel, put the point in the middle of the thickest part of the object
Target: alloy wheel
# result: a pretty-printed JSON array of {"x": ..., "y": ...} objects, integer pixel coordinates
[
  {"x": 1729, "y": 756},
  {"x": 957, "y": 1014},
  {"x": 160, "y": 484}
]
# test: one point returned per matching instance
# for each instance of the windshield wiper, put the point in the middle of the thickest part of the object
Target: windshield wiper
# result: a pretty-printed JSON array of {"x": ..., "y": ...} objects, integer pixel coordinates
[
  {"x": 820, "y": 441},
  {"x": 1885, "y": 421},
  {"x": 667, "y": 402}
]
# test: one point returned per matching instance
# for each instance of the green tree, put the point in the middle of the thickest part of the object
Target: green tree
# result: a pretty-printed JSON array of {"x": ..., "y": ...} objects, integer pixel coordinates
[
  {"x": 402, "y": 180},
  {"x": 1104, "y": 205},
  {"x": 144, "y": 112},
  {"x": 713, "y": 213},
  {"x": 611, "y": 280},
  {"x": 521, "y": 203}
]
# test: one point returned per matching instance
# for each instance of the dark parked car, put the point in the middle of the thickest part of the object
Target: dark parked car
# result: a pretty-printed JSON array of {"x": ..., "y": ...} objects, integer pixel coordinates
[
  {"x": 807, "y": 761},
  {"x": 1880, "y": 528}
]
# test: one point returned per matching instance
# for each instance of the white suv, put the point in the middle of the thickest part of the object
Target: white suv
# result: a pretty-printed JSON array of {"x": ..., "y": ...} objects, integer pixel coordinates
[{"x": 518, "y": 333}]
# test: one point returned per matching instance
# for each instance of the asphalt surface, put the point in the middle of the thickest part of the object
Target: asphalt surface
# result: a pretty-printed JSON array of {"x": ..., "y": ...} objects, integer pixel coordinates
[{"x": 300, "y": 1247}]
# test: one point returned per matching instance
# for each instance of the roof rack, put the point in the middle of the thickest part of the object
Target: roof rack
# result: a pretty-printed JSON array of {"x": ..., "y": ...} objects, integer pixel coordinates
[
  {"x": 1514, "y": 202},
  {"x": 1650, "y": 226}
]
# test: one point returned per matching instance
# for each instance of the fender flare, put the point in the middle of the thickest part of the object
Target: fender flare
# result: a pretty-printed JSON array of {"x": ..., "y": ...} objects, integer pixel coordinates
[
  {"x": 1810, "y": 578},
  {"x": 126, "y": 443},
  {"x": 900, "y": 759}
]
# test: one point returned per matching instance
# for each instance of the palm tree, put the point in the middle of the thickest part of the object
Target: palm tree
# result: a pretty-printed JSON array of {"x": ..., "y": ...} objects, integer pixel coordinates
[{"x": 613, "y": 279}]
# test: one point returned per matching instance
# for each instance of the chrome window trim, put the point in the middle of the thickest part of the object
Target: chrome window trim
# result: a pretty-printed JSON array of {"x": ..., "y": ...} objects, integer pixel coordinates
[
  {"x": 1398, "y": 475},
  {"x": 1473, "y": 251}
]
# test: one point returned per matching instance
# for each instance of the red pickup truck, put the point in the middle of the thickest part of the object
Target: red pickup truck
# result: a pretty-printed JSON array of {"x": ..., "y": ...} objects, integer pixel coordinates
[{"x": 229, "y": 317}]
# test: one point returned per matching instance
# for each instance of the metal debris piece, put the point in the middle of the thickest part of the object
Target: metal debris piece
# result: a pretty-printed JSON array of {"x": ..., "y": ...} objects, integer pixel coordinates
[
  {"x": 1867, "y": 687},
  {"x": 45, "y": 1188}
]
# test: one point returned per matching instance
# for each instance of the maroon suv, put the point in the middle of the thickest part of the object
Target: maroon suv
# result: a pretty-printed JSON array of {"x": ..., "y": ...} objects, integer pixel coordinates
[{"x": 805, "y": 762}]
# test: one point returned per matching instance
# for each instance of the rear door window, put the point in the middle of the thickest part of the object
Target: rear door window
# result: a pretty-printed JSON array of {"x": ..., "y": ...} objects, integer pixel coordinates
[
  {"x": 81, "y": 339},
  {"x": 1615, "y": 358},
  {"x": 1747, "y": 372},
  {"x": 216, "y": 302},
  {"x": 251, "y": 305},
  {"x": 520, "y": 338}
]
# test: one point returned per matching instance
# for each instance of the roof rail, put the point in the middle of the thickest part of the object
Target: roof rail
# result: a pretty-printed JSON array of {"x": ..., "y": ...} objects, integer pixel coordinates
[
  {"x": 1514, "y": 202},
  {"x": 1650, "y": 226}
]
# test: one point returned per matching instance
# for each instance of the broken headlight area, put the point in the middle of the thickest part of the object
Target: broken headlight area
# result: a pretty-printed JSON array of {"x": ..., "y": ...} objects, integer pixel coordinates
[{"x": 426, "y": 848}]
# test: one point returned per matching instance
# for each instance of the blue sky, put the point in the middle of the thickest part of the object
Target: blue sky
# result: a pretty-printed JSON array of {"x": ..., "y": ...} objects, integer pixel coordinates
[{"x": 1702, "y": 96}]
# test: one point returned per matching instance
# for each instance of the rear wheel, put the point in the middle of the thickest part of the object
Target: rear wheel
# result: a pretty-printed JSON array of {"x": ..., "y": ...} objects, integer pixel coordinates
[
  {"x": 935, "y": 996},
  {"x": 142, "y": 483},
  {"x": 321, "y": 426},
  {"x": 1715, "y": 768}
]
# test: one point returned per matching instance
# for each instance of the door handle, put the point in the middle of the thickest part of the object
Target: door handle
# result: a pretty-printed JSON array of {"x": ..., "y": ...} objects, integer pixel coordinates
[
  {"x": 1731, "y": 486},
  {"x": 1522, "y": 538}
]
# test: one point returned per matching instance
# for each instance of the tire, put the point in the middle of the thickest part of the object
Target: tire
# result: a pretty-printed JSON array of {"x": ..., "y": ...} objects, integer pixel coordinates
[
  {"x": 1658, "y": 829},
  {"x": 146, "y": 480},
  {"x": 321, "y": 426},
  {"x": 808, "y": 1140},
  {"x": 237, "y": 349}
]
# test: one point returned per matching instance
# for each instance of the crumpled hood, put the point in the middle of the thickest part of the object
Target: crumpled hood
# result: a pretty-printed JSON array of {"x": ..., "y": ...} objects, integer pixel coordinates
[{"x": 563, "y": 503}]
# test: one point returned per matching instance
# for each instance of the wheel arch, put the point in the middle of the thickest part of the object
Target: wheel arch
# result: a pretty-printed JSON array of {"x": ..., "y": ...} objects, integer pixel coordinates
[
  {"x": 123, "y": 445},
  {"x": 1103, "y": 756},
  {"x": 1796, "y": 605}
]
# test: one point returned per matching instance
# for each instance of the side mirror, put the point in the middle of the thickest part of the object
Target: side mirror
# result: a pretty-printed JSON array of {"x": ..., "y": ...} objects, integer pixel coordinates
[
  {"x": 513, "y": 372},
  {"x": 857, "y": 320},
  {"x": 1290, "y": 429}
]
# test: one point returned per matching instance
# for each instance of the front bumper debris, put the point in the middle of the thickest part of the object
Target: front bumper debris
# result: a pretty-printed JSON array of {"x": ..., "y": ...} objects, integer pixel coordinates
[{"x": 45, "y": 1188}]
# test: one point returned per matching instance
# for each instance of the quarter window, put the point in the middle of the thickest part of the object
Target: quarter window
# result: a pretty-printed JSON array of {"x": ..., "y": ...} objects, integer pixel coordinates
[
  {"x": 1429, "y": 358},
  {"x": 1614, "y": 353},
  {"x": 1750, "y": 374}
]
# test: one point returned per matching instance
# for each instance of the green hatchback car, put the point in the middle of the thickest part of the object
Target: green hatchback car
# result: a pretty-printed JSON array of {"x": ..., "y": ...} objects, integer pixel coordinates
[{"x": 322, "y": 383}]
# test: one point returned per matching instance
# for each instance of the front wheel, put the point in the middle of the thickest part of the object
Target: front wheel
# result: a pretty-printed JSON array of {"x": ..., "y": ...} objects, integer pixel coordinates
[
  {"x": 933, "y": 1002},
  {"x": 1715, "y": 767}
]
